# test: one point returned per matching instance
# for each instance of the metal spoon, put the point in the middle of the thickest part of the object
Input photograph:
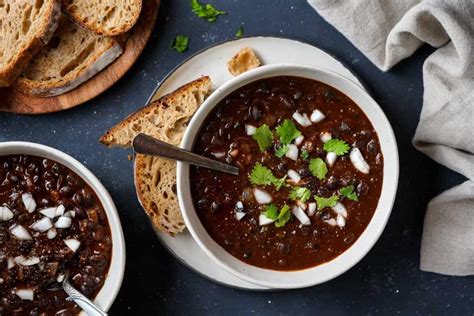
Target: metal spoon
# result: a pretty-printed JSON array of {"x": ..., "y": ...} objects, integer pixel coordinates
[
  {"x": 144, "y": 144},
  {"x": 80, "y": 299}
]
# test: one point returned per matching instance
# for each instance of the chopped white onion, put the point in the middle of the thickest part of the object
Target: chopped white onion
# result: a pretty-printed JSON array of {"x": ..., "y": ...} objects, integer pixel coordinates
[
  {"x": 341, "y": 221},
  {"x": 10, "y": 263},
  {"x": 325, "y": 137},
  {"x": 331, "y": 222},
  {"x": 29, "y": 202},
  {"x": 25, "y": 294},
  {"x": 261, "y": 196},
  {"x": 302, "y": 119},
  {"x": 5, "y": 214},
  {"x": 60, "y": 278},
  {"x": 301, "y": 215},
  {"x": 70, "y": 214},
  {"x": 52, "y": 233},
  {"x": 219, "y": 154},
  {"x": 340, "y": 209},
  {"x": 72, "y": 244},
  {"x": 263, "y": 220},
  {"x": 239, "y": 206},
  {"x": 63, "y": 222},
  {"x": 239, "y": 215},
  {"x": 250, "y": 129},
  {"x": 19, "y": 259},
  {"x": 42, "y": 225},
  {"x": 20, "y": 232},
  {"x": 49, "y": 212},
  {"x": 29, "y": 261},
  {"x": 292, "y": 152},
  {"x": 294, "y": 176},
  {"x": 317, "y": 116},
  {"x": 311, "y": 208},
  {"x": 358, "y": 161},
  {"x": 299, "y": 140},
  {"x": 331, "y": 158},
  {"x": 59, "y": 210}
]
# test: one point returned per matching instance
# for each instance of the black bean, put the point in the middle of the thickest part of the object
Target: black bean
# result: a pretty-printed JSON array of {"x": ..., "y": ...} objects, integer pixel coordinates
[
  {"x": 287, "y": 102},
  {"x": 332, "y": 183},
  {"x": 372, "y": 146},
  {"x": 344, "y": 127},
  {"x": 324, "y": 215},
  {"x": 215, "y": 206},
  {"x": 66, "y": 191},
  {"x": 255, "y": 112},
  {"x": 304, "y": 172},
  {"x": 297, "y": 94},
  {"x": 283, "y": 247},
  {"x": 305, "y": 230},
  {"x": 362, "y": 188},
  {"x": 247, "y": 255}
]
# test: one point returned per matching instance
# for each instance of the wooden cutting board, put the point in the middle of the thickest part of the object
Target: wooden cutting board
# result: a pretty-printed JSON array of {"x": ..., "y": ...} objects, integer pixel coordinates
[{"x": 15, "y": 102}]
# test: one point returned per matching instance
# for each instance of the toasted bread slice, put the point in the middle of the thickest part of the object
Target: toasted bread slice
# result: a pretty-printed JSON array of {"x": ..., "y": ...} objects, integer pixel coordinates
[
  {"x": 155, "y": 178},
  {"x": 108, "y": 17},
  {"x": 25, "y": 26},
  {"x": 73, "y": 56}
]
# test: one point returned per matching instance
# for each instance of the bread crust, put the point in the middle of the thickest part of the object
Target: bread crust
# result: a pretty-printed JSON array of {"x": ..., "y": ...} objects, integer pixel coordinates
[
  {"x": 91, "y": 25},
  {"x": 28, "y": 50}
]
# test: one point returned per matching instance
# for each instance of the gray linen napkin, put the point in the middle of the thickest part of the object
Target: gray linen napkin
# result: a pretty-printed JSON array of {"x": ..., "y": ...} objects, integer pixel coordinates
[{"x": 388, "y": 31}]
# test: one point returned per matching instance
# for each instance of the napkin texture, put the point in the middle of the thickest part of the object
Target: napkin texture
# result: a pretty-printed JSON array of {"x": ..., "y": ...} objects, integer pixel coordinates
[{"x": 388, "y": 31}]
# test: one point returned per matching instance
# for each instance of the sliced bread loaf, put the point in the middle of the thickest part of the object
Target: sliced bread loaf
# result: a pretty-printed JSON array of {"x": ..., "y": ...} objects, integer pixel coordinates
[
  {"x": 25, "y": 26},
  {"x": 107, "y": 17},
  {"x": 155, "y": 178},
  {"x": 71, "y": 57}
]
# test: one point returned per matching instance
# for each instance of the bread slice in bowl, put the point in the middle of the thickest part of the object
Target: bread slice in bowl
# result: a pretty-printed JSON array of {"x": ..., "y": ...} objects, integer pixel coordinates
[
  {"x": 155, "y": 178},
  {"x": 25, "y": 26},
  {"x": 108, "y": 17},
  {"x": 73, "y": 56}
]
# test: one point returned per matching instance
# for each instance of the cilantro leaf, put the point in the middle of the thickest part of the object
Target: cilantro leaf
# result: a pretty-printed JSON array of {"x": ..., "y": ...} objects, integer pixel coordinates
[
  {"x": 264, "y": 137},
  {"x": 287, "y": 131},
  {"x": 318, "y": 168},
  {"x": 261, "y": 175},
  {"x": 349, "y": 193},
  {"x": 180, "y": 43},
  {"x": 281, "y": 151},
  {"x": 278, "y": 183},
  {"x": 240, "y": 32},
  {"x": 326, "y": 202},
  {"x": 304, "y": 154},
  {"x": 206, "y": 11},
  {"x": 337, "y": 146},
  {"x": 283, "y": 217},
  {"x": 271, "y": 212},
  {"x": 300, "y": 193}
]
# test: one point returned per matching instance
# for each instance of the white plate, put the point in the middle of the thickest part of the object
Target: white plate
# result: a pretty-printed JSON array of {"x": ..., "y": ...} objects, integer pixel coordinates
[{"x": 213, "y": 62}]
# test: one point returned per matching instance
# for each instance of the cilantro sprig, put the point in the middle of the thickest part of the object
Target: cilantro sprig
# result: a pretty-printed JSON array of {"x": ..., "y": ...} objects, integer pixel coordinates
[
  {"x": 281, "y": 217},
  {"x": 304, "y": 154},
  {"x": 264, "y": 137},
  {"x": 287, "y": 131},
  {"x": 300, "y": 193},
  {"x": 337, "y": 146},
  {"x": 205, "y": 11},
  {"x": 262, "y": 175},
  {"x": 323, "y": 202},
  {"x": 349, "y": 193},
  {"x": 180, "y": 43},
  {"x": 318, "y": 168},
  {"x": 281, "y": 151},
  {"x": 240, "y": 31}
]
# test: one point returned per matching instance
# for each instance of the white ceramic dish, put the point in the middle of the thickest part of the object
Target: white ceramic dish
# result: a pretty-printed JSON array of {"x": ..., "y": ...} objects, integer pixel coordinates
[
  {"x": 109, "y": 291},
  {"x": 342, "y": 263}
]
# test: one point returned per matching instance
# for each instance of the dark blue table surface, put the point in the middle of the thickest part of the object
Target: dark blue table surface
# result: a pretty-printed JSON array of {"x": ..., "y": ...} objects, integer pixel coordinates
[{"x": 387, "y": 281}]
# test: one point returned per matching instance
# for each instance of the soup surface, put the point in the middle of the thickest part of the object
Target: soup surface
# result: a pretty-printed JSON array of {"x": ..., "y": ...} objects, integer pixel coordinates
[
  {"x": 52, "y": 224},
  {"x": 310, "y": 177}
]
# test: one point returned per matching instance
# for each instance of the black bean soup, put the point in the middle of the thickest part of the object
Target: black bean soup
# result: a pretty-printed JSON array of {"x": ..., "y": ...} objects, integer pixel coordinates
[
  {"x": 52, "y": 224},
  {"x": 311, "y": 173}
]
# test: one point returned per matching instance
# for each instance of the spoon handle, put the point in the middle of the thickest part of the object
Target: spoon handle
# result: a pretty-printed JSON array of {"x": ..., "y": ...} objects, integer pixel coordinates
[
  {"x": 82, "y": 301},
  {"x": 144, "y": 144}
]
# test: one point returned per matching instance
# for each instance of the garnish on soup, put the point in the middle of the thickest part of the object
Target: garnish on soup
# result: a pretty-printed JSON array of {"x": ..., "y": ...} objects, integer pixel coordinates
[{"x": 311, "y": 173}]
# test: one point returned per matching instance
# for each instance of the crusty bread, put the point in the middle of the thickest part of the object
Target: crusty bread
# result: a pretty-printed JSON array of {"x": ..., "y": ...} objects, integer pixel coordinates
[
  {"x": 243, "y": 61},
  {"x": 107, "y": 17},
  {"x": 73, "y": 56},
  {"x": 155, "y": 178},
  {"x": 25, "y": 26}
]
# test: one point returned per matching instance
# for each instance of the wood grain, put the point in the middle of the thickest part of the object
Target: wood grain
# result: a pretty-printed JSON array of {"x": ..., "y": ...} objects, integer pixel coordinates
[{"x": 15, "y": 102}]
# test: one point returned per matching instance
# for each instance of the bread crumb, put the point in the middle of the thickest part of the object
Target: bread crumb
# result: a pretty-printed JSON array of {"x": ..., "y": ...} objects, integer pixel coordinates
[{"x": 243, "y": 61}]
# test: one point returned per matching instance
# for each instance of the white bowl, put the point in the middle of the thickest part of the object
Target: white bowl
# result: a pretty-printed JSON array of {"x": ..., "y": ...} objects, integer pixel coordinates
[
  {"x": 340, "y": 264},
  {"x": 113, "y": 281}
]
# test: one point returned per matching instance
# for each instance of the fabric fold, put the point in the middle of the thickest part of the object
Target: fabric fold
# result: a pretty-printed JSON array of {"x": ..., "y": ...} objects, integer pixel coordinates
[{"x": 388, "y": 32}]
